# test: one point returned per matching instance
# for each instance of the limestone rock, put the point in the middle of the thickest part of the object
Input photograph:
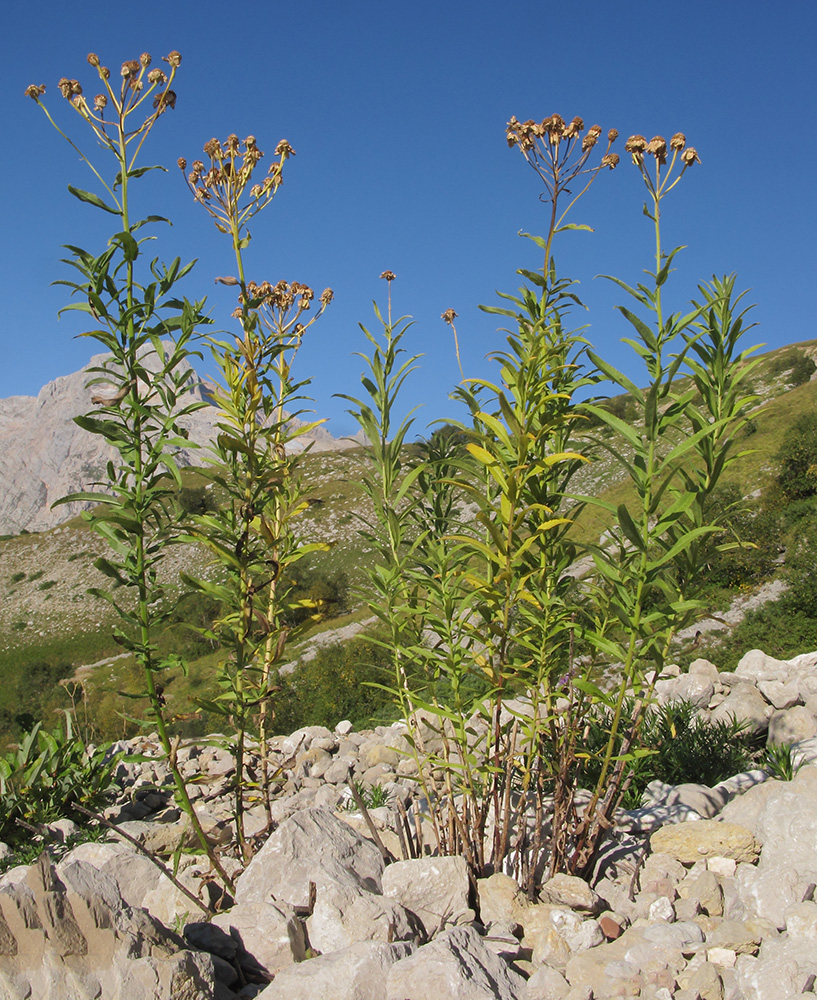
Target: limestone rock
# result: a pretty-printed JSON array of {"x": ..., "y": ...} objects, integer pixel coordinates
[
  {"x": 569, "y": 890},
  {"x": 437, "y": 890},
  {"x": 268, "y": 936},
  {"x": 312, "y": 846},
  {"x": 343, "y": 916},
  {"x": 689, "y": 842},
  {"x": 358, "y": 972},
  {"x": 76, "y": 938},
  {"x": 44, "y": 455},
  {"x": 455, "y": 965}
]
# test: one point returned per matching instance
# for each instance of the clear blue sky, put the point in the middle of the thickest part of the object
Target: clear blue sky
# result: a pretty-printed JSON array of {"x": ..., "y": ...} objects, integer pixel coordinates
[{"x": 397, "y": 113}]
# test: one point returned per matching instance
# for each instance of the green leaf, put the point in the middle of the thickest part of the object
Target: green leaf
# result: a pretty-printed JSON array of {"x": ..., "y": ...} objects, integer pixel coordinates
[
  {"x": 93, "y": 199},
  {"x": 628, "y": 526}
]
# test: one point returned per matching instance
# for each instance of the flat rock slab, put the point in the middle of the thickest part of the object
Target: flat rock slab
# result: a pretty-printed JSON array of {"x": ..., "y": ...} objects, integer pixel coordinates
[{"x": 690, "y": 842}]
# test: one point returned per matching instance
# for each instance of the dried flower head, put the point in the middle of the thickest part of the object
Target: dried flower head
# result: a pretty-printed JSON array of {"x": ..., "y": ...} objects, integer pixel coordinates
[
  {"x": 157, "y": 76},
  {"x": 284, "y": 150},
  {"x": 636, "y": 145},
  {"x": 35, "y": 91},
  {"x": 145, "y": 59},
  {"x": 574, "y": 128},
  {"x": 678, "y": 141},
  {"x": 93, "y": 59},
  {"x": 64, "y": 86},
  {"x": 612, "y": 135},
  {"x": 173, "y": 59},
  {"x": 182, "y": 163},
  {"x": 449, "y": 315},
  {"x": 165, "y": 100},
  {"x": 690, "y": 156},
  {"x": 657, "y": 147},
  {"x": 326, "y": 296},
  {"x": 555, "y": 128},
  {"x": 388, "y": 276},
  {"x": 130, "y": 68},
  {"x": 610, "y": 160},
  {"x": 100, "y": 102}
]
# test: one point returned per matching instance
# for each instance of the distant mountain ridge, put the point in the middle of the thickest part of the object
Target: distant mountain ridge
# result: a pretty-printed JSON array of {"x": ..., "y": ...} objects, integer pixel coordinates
[{"x": 44, "y": 455}]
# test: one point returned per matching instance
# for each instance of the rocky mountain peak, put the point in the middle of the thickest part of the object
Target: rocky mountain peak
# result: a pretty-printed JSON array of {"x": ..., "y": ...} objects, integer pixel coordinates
[{"x": 44, "y": 455}]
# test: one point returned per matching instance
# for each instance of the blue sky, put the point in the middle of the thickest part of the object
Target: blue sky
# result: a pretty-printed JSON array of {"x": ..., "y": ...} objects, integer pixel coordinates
[{"x": 397, "y": 113}]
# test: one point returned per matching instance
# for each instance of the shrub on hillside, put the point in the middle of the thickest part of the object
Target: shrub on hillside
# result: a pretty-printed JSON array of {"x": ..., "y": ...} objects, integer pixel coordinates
[{"x": 797, "y": 478}]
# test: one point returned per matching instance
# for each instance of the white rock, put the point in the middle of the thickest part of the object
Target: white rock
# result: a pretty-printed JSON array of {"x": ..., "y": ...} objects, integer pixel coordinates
[
  {"x": 313, "y": 845},
  {"x": 455, "y": 966},
  {"x": 436, "y": 889},
  {"x": 356, "y": 973}
]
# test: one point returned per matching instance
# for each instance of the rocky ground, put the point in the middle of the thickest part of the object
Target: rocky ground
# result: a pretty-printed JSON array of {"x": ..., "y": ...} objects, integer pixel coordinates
[{"x": 702, "y": 894}]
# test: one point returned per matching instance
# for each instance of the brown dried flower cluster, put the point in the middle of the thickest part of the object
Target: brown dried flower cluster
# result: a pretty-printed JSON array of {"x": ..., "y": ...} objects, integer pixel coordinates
[
  {"x": 135, "y": 87},
  {"x": 388, "y": 276},
  {"x": 559, "y": 152},
  {"x": 449, "y": 316},
  {"x": 272, "y": 304},
  {"x": 221, "y": 186},
  {"x": 663, "y": 181},
  {"x": 637, "y": 146}
]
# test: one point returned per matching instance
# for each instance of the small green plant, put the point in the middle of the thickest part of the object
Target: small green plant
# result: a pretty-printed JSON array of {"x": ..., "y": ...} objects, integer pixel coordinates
[
  {"x": 372, "y": 798},
  {"x": 778, "y": 762},
  {"x": 47, "y": 776},
  {"x": 679, "y": 747},
  {"x": 17, "y": 577},
  {"x": 37, "y": 576},
  {"x": 47, "y": 585}
]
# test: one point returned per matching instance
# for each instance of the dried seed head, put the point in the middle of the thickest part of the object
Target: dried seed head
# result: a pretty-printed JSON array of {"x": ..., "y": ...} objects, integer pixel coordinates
[
  {"x": 182, "y": 163},
  {"x": 165, "y": 100},
  {"x": 589, "y": 141},
  {"x": 388, "y": 276},
  {"x": 249, "y": 142},
  {"x": 231, "y": 143},
  {"x": 104, "y": 72},
  {"x": 35, "y": 91},
  {"x": 690, "y": 156},
  {"x": 212, "y": 148},
  {"x": 611, "y": 160},
  {"x": 657, "y": 147},
  {"x": 145, "y": 59},
  {"x": 574, "y": 128},
  {"x": 284, "y": 150},
  {"x": 64, "y": 86},
  {"x": 555, "y": 128},
  {"x": 449, "y": 315},
  {"x": 326, "y": 296},
  {"x": 100, "y": 102},
  {"x": 157, "y": 76},
  {"x": 678, "y": 141},
  {"x": 173, "y": 59},
  {"x": 130, "y": 68},
  {"x": 612, "y": 135},
  {"x": 636, "y": 145},
  {"x": 237, "y": 313},
  {"x": 93, "y": 59}
]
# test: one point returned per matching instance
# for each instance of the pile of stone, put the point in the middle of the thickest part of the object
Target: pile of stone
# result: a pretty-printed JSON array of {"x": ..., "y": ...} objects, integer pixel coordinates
[{"x": 704, "y": 894}]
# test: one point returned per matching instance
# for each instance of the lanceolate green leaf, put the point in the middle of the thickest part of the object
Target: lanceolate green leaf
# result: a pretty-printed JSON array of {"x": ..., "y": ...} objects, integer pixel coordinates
[{"x": 93, "y": 199}]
